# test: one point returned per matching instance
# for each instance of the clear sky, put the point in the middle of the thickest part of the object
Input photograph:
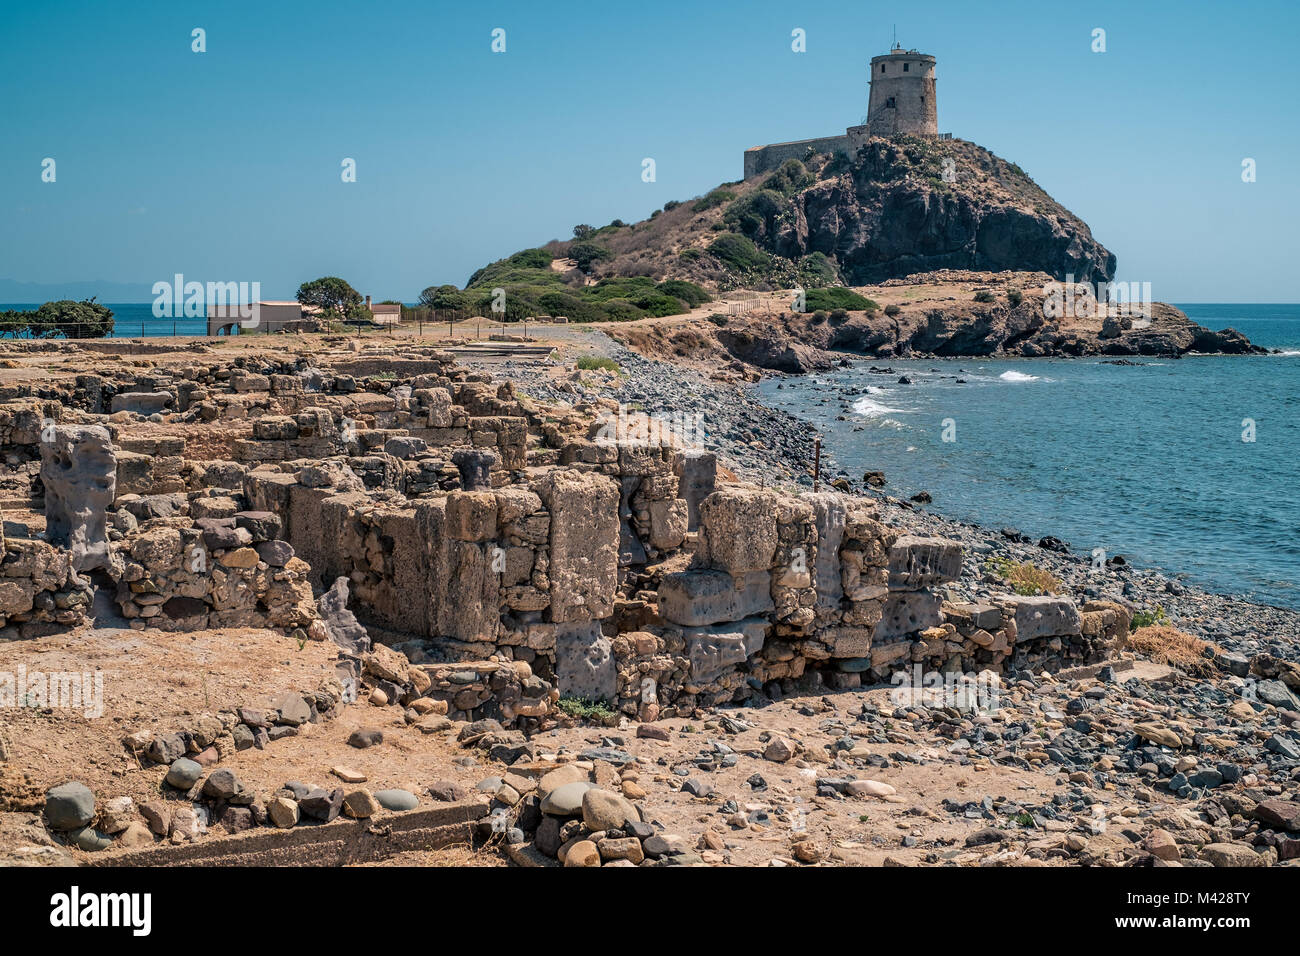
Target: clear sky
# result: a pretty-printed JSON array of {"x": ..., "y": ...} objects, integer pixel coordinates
[{"x": 225, "y": 165}]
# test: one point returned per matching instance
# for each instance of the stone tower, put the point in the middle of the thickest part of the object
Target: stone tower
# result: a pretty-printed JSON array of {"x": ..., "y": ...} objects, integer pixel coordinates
[{"x": 902, "y": 95}]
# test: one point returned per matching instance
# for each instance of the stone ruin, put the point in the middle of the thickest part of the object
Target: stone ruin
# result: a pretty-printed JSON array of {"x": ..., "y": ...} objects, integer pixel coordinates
[{"x": 500, "y": 553}]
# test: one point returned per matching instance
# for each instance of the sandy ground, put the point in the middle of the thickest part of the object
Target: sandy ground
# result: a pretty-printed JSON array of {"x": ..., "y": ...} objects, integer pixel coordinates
[{"x": 155, "y": 680}]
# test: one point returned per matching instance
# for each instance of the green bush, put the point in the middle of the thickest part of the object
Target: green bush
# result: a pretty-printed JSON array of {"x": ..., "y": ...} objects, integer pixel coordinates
[
  {"x": 839, "y": 162},
  {"x": 571, "y": 306},
  {"x": 892, "y": 310},
  {"x": 757, "y": 211},
  {"x": 621, "y": 310},
  {"x": 688, "y": 292},
  {"x": 718, "y": 197},
  {"x": 589, "y": 362},
  {"x": 815, "y": 271},
  {"x": 585, "y": 254},
  {"x": 443, "y": 297},
  {"x": 739, "y": 252},
  {"x": 984, "y": 295},
  {"x": 585, "y": 709},
  {"x": 1145, "y": 618},
  {"x": 64, "y": 318},
  {"x": 1015, "y": 297},
  {"x": 790, "y": 178},
  {"x": 837, "y": 297}
]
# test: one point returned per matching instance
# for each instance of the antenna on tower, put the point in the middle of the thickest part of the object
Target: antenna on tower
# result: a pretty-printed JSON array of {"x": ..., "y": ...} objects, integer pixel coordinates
[{"x": 895, "y": 44}]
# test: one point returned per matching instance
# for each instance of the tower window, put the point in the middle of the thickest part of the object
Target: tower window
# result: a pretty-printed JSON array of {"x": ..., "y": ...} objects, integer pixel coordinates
[
  {"x": 889, "y": 103},
  {"x": 905, "y": 65},
  {"x": 882, "y": 68}
]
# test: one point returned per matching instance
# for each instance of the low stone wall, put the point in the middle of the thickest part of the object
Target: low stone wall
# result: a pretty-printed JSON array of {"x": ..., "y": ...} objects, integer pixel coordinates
[
  {"x": 210, "y": 565},
  {"x": 40, "y": 593}
]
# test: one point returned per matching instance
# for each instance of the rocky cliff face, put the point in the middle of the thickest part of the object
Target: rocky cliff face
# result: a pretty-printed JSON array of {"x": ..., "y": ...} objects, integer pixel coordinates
[{"x": 909, "y": 206}]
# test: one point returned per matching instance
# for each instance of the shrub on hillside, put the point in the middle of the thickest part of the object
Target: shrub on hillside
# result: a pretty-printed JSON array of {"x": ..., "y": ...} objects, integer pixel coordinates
[
  {"x": 586, "y": 254},
  {"x": 791, "y": 177},
  {"x": 718, "y": 197},
  {"x": 815, "y": 270},
  {"x": 892, "y": 310},
  {"x": 755, "y": 212},
  {"x": 984, "y": 295},
  {"x": 739, "y": 252},
  {"x": 688, "y": 292},
  {"x": 837, "y": 297}
]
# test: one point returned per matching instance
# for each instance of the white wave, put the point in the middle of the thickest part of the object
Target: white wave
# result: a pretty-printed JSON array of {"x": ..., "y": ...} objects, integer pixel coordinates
[
  {"x": 1017, "y": 377},
  {"x": 869, "y": 408},
  {"x": 1289, "y": 352}
]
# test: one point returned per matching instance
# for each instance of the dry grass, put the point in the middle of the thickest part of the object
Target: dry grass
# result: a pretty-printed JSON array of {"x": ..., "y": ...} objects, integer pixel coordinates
[
  {"x": 1170, "y": 646},
  {"x": 1024, "y": 579}
]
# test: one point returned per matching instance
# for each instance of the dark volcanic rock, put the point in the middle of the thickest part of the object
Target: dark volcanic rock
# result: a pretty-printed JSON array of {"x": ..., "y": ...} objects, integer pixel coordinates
[{"x": 892, "y": 214}]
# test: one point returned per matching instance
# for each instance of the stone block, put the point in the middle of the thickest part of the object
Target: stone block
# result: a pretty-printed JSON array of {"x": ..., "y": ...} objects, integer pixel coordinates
[
  {"x": 699, "y": 473},
  {"x": 584, "y": 542},
  {"x": 738, "y": 529},
  {"x": 712, "y": 649},
  {"x": 918, "y": 562},
  {"x": 472, "y": 515},
  {"x": 703, "y": 597},
  {"x": 584, "y": 662},
  {"x": 906, "y": 612},
  {"x": 1043, "y": 615},
  {"x": 79, "y": 472}
]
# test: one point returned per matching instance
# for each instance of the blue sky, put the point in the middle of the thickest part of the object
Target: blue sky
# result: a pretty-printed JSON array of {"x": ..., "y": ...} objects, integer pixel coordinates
[{"x": 225, "y": 165}]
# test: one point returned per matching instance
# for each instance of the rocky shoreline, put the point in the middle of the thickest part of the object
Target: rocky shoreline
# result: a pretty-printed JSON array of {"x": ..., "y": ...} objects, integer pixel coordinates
[
  {"x": 948, "y": 314},
  {"x": 770, "y": 446}
]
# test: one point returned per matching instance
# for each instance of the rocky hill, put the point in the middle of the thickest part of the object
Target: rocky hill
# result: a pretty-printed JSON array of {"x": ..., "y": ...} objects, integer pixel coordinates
[
  {"x": 900, "y": 207},
  {"x": 976, "y": 236},
  {"x": 909, "y": 206}
]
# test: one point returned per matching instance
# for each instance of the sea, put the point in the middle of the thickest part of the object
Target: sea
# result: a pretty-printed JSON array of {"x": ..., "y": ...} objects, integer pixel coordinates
[
  {"x": 136, "y": 319},
  {"x": 1190, "y": 465}
]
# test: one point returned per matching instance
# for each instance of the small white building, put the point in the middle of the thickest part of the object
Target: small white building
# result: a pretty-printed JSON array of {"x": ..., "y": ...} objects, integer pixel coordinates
[{"x": 266, "y": 316}]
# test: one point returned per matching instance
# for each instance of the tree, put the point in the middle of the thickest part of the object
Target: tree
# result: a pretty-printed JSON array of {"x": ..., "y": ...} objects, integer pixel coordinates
[
  {"x": 65, "y": 318},
  {"x": 587, "y": 253},
  {"x": 443, "y": 297},
  {"x": 582, "y": 231},
  {"x": 333, "y": 295}
]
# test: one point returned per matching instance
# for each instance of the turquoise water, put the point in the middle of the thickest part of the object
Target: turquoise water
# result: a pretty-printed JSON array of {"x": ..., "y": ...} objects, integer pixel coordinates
[
  {"x": 133, "y": 319},
  {"x": 1146, "y": 461}
]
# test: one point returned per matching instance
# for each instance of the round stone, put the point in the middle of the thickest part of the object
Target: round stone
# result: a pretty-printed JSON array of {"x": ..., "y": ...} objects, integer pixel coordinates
[
  {"x": 566, "y": 799},
  {"x": 69, "y": 806},
  {"x": 569, "y": 773},
  {"x": 397, "y": 799},
  {"x": 602, "y": 810},
  {"x": 184, "y": 773},
  {"x": 89, "y": 839},
  {"x": 582, "y": 853}
]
